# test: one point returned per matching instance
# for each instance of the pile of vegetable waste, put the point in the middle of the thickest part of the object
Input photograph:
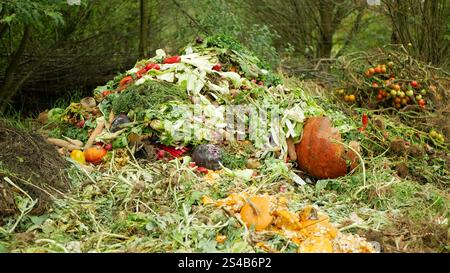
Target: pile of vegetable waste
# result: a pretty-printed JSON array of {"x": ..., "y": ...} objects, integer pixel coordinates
[
  {"x": 143, "y": 112},
  {"x": 140, "y": 117},
  {"x": 147, "y": 176}
]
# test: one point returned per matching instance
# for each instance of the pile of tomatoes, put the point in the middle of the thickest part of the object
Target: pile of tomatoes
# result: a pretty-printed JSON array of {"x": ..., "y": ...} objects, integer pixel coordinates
[{"x": 383, "y": 87}]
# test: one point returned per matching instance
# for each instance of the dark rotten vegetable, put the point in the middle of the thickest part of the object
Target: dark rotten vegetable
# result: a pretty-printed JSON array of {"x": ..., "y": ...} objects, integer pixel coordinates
[
  {"x": 119, "y": 120},
  {"x": 208, "y": 156}
]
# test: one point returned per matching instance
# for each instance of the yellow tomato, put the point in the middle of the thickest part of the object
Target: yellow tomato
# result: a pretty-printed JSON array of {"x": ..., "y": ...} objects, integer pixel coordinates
[
  {"x": 220, "y": 239},
  {"x": 433, "y": 134},
  {"x": 78, "y": 156},
  {"x": 352, "y": 98}
]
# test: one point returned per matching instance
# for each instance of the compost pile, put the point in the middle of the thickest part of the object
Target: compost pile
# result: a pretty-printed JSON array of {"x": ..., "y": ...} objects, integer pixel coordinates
[
  {"x": 389, "y": 80},
  {"x": 31, "y": 171},
  {"x": 139, "y": 119},
  {"x": 145, "y": 109}
]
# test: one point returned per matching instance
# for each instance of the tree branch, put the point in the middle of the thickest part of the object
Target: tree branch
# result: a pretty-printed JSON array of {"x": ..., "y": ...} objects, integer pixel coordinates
[
  {"x": 353, "y": 32},
  {"x": 5, "y": 93},
  {"x": 3, "y": 26}
]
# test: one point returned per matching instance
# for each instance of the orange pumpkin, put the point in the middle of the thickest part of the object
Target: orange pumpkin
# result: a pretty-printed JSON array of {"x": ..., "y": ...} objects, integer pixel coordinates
[
  {"x": 95, "y": 154},
  {"x": 257, "y": 213},
  {"x": 318, "y": 155}
]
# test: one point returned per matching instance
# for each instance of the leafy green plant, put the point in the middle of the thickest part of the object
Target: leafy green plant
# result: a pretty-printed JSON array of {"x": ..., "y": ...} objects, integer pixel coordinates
[{"x": 148, "y": 95}]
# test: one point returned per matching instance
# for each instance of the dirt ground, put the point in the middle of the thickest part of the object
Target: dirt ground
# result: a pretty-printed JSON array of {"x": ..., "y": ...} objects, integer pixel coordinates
[{"x": 406, "y": 236}]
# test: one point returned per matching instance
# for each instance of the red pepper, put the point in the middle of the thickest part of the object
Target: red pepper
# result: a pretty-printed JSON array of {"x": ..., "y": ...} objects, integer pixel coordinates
[
  {"x": 106, "y": 93},
  {"x": 365, "y": 121},
  {"x": 151, "y": 66},
  {"x": 217, "y": 67},
  {"x": 172, "y": 60},
  {"x": 172, "y": 151}
]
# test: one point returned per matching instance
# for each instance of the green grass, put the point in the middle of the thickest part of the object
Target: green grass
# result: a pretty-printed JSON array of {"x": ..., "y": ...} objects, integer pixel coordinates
[
  {"x": 16, "y": 120},
  {"x": 68, "y": 97}
]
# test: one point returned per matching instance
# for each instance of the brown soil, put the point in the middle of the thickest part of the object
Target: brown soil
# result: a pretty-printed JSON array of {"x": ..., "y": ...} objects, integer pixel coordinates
[
  {"x": 32, "y": 165},
  {"x": 405, "y": 235}
]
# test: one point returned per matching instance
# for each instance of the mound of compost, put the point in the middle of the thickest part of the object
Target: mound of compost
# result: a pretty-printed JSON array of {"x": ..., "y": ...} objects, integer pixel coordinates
[{"x": 28, "y": 164}]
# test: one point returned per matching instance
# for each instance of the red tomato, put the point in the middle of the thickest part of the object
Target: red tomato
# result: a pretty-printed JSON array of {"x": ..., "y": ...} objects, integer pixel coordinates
[
  {"x": 95, "y": 154},
  {"x": 374, "y": 85},
  {"x": 151, "y": 66},
  {"x": 141, "y": 72},
  {"x": 415, "y": 84},
  {"x": 217, "y": 67},
  {"x": 377, "y": 70},
  {"x": 172, "y": 60},
  {"x": 125, "y": 80}
]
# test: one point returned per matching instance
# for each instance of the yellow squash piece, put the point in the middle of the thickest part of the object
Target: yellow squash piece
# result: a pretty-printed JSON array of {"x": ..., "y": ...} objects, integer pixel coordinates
[
  {"x": 78, "y": 156},
  {"x": 316, "y": 245}
]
